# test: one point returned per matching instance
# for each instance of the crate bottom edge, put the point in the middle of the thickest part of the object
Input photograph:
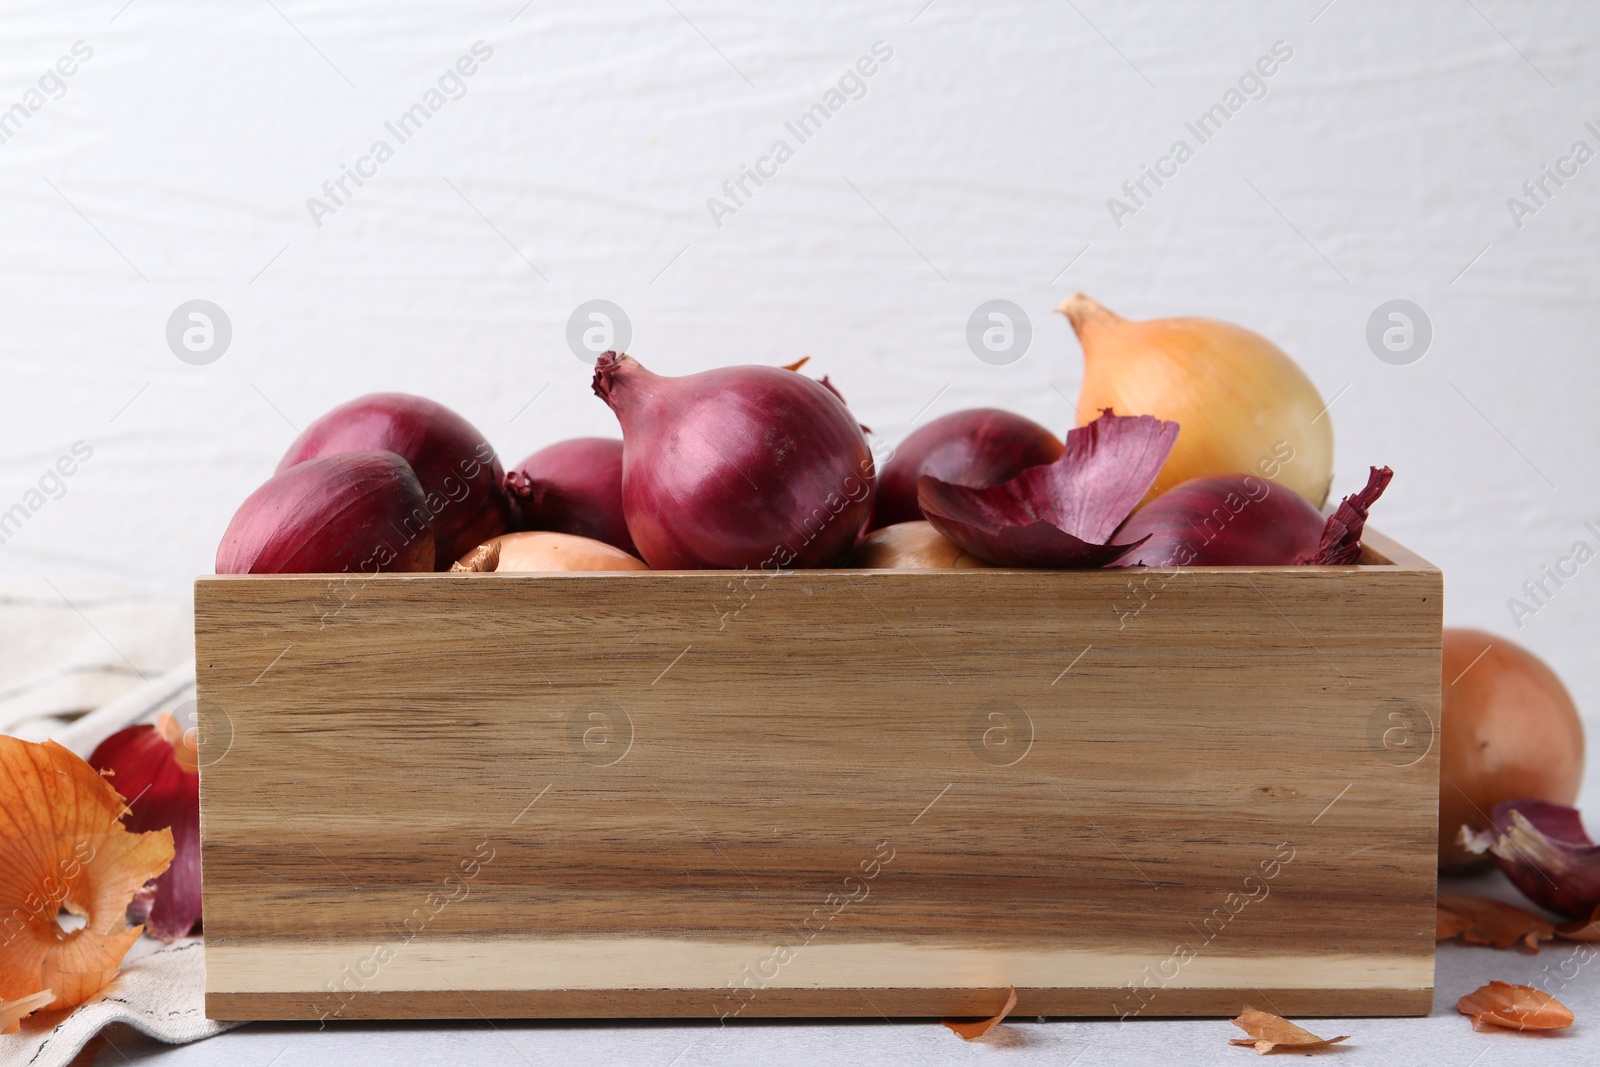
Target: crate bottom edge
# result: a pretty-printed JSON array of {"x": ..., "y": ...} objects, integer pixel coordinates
[{"x": 729, "y": 1005}]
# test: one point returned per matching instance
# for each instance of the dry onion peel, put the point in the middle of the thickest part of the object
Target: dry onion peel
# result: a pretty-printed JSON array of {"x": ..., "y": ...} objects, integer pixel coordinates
[
  {"x": 1341, "y": 537},
  {"x": 978, "y": 446},
  {"x": 1481, "y": 921},
  {"x": 1514, "y": 1007},
  {"x": 1543, "y": 850},
  {"x": 1059, "y": 514},
  {"x": 157, "y": 767},
  {"x": 62, "y": 845},
  {"x": 971, "y": 1031},
  {"x": 1268, "y": 1032},
  {"x": 12, "y": 1012}
]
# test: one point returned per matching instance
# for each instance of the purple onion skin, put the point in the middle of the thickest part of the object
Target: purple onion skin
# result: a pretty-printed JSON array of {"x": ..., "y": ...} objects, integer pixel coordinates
[
  {"x": 737, "y": 467},
  {"x": 352, "y": 511},
  {"x": 574, "y": 487},
  {"x": 460, "y": 474},
  {"x": 1232, "y": 520},
  {"x": 1545, "y": 853},
  {"x": 976, "y": 447}
]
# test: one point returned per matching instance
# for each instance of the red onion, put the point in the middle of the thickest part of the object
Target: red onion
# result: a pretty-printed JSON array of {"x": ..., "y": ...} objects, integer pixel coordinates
[
  {"x": 1242, "y": 520},
  {"x": 977, "y": 447},
  {"x": 352, "y": 511},
  {"x": 460, "y": 475},
  {"x": 574, "y": 487},
  {"x": 1060, "y": 514},
  {"x": 155, "y": 769},
  {"x": 737, "y": 467}
]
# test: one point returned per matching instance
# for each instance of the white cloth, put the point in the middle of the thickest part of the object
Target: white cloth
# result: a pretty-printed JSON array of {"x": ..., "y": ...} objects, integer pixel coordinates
[
  {"x": 69, "y": 647},
  {"x": 160, "y": 992}
]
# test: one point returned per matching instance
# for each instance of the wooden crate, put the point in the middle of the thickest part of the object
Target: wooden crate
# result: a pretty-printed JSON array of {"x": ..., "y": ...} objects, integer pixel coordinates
[{"x": 821, "y": 793}]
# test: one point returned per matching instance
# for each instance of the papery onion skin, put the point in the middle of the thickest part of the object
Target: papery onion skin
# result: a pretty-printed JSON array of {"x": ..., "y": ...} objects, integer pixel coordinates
[
  {"x": 162, "y": 794},
  {"x": 1060, "y": 514},
  {"x": 461, "y": 477},
  {"x": 739, "y": 467},
  {"x": 977, "y": 447},
  {"x": 546, "y": 550},
  {"x": 1238, "y": 396},
  {"x": 353, "y": 511},
  {"x": 1508, "y": 731},
  {"x": 574, "y": 487},
  {"x": 64, "y": 848},
  {"x": 1543, "y": 850},
  {"x": 911, "y": 546}
]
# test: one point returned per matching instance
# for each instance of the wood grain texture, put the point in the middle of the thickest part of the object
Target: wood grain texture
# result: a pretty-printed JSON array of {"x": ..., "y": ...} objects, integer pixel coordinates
[{"x": 810, "y": 793}]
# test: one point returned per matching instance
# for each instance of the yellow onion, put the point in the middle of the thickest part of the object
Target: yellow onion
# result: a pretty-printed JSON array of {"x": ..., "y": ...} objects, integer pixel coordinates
[
  {"x": 1508, "y": 730},
  {"x": 546, "y": 550},
  {"x": 1244, "y": 405},
  {"x": 915, "y": 546}
]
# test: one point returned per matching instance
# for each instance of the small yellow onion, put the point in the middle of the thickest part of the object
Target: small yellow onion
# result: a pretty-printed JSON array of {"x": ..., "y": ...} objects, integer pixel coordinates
[
  {"x": 911, "y": 546},
  {"x": 545, "y": 550},
  {"x": 1241, "y": 404}
]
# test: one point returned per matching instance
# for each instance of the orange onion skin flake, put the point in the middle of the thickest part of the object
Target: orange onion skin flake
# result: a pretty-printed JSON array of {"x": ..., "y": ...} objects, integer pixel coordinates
[
  {"x": 739, "y": 467},
  {"x": 354, "y": 511},
  {"x": 976, "y": 447},
  {"x": 462, "y": 480}
]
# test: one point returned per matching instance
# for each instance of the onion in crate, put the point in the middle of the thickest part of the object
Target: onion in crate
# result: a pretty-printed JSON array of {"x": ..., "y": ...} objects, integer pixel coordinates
[
  {"x": 461, "y": 477},
  {"x": 739, "y": 467},
  {"x": 352, "y": 511},
  {"x": 574, "y": 487}
]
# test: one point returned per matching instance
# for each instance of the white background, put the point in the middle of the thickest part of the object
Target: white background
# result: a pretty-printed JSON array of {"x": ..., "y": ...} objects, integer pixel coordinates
[
  {"x": 1383, "y": 153},
  {"x": 977, "y": 166}
]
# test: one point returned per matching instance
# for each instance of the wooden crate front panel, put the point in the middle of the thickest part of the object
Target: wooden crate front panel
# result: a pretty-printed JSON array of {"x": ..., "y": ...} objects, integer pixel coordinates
[{"x": 822, "y": 793}]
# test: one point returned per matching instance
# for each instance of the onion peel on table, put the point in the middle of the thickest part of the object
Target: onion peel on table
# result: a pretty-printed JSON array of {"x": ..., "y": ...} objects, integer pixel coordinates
[
  {"x": 63, "y": 846},
  {"x": 1481, "y": 921},
  {"x": 1514, "y": 1007},
  {"x": 1543, "y": 849},
  {"x": 1059, "y": 514},
  {"x": 1269, "y": 1032},
  {"x": 971, "y": 1031},
  {"x": 157, "y": 768}
]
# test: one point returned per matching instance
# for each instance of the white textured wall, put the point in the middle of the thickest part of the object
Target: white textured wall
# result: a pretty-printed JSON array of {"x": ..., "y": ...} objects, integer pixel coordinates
[{"x": 977, "y": 165}]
